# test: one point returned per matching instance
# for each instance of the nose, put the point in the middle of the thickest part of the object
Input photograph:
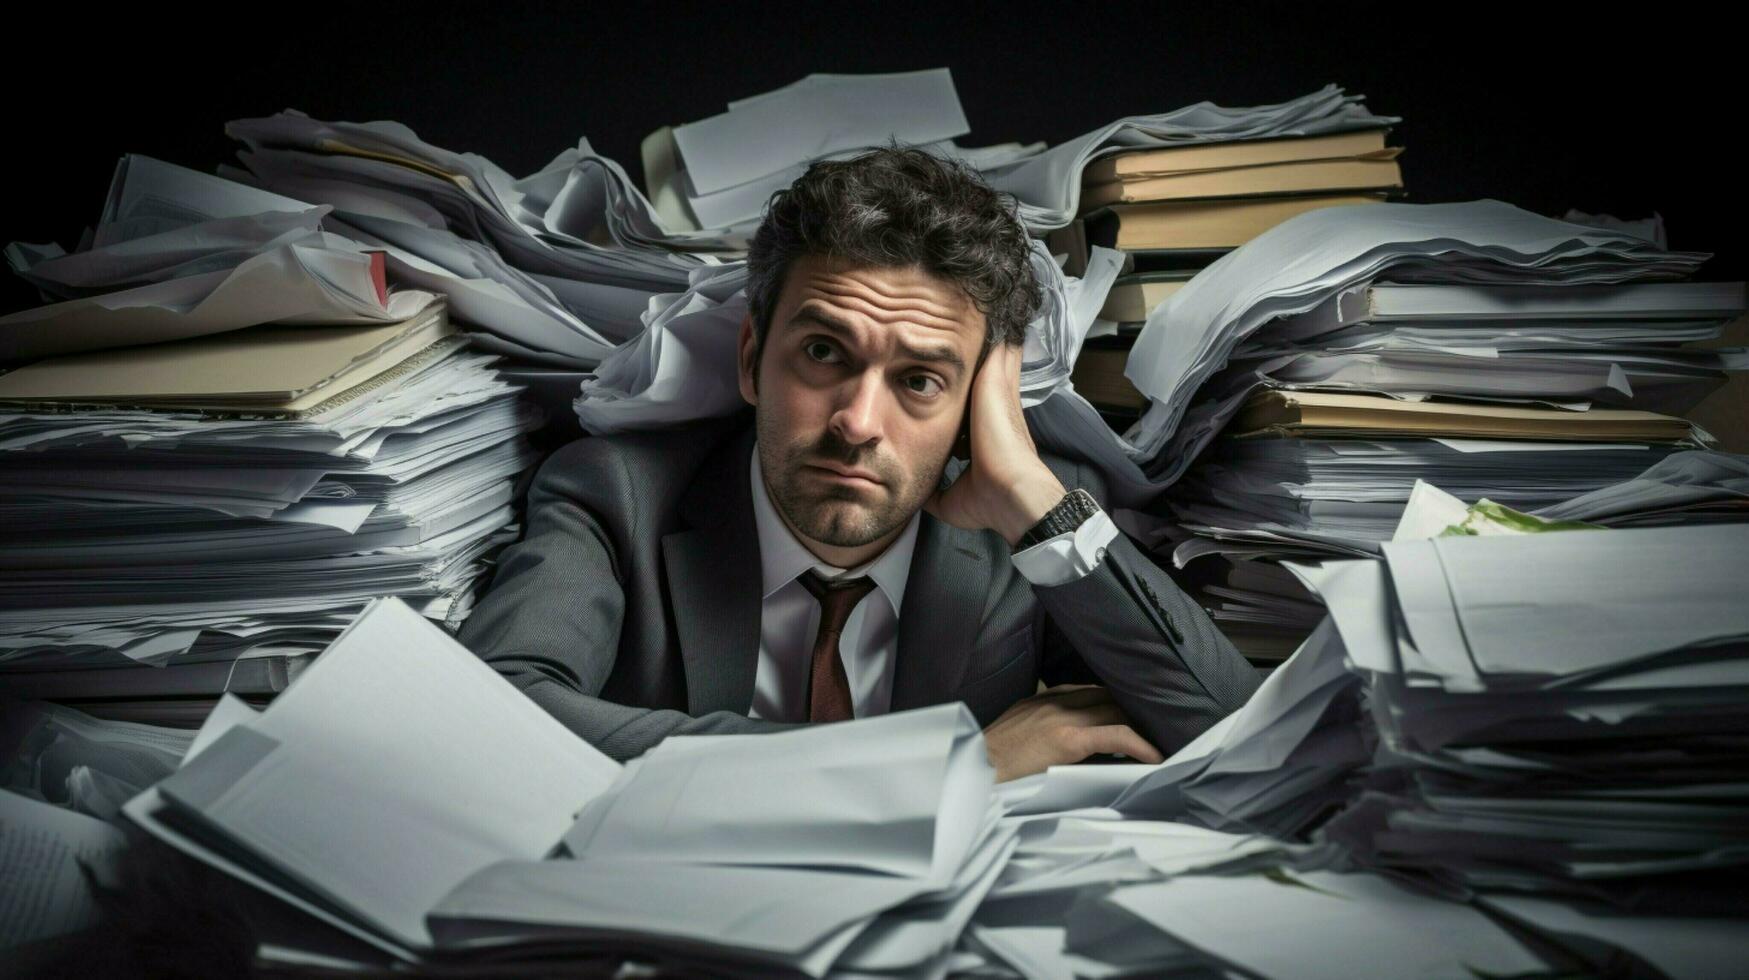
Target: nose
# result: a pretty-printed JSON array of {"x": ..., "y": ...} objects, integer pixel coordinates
[{"x": 857, "y": 420}]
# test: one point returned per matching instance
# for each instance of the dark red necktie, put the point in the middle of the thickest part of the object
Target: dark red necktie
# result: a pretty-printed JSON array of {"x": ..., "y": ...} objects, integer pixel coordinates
[{"x": 828, "y": 684}]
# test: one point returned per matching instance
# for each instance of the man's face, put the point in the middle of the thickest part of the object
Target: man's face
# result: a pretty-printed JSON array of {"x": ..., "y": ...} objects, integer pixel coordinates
[{"x": 860, "y": 389}]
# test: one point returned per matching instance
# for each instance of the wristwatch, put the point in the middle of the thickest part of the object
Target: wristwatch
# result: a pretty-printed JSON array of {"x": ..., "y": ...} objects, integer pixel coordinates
[{"x": 1070, "y": 513}]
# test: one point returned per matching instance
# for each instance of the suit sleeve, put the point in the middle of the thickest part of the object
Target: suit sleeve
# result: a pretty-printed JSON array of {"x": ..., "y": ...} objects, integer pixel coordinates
[
  {"x": 1165, "y": 662},
  {"x": 550, "y": 623}
]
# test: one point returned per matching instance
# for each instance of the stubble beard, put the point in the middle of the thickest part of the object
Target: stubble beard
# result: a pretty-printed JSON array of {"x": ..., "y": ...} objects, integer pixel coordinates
[{"x": 840, "y": 516}]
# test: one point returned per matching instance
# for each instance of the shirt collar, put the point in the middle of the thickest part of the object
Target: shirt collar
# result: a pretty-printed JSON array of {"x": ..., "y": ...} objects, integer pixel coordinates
[{"x": 782, "y": 558}]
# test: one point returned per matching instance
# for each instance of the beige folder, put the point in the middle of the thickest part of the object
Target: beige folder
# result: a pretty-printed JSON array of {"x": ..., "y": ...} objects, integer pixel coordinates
[
  {"x": 1333, "y": 413},
  {"x": 270, "y": 369}
]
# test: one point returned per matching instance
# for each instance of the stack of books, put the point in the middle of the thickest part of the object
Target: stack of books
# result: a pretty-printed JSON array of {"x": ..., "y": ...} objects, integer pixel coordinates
[
  {"x": 1175, "y": 209},
  {"x": 1218, "y": 196}
]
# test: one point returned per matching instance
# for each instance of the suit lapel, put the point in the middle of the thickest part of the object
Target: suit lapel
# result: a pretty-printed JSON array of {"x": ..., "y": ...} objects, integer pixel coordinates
[
  {"x": 944, "y": 606},
  {"x": 714, "y": 581}
]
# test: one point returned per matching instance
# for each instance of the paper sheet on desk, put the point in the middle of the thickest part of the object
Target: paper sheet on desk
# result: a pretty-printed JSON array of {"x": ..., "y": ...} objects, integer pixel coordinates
[
  {"x": 902, "y": 794},
  {"x": 1321, "y": 924},
  {"x": 42, "y": 890},
  {"x": 425, "y": 725}
]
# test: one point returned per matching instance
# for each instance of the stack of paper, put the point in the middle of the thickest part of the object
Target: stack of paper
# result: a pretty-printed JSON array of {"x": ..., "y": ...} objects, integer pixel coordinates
[
  {"x": 148, "y": 278},
  {"x": 1491, "y": 352},
  {"x": 1303, "y": 264},
  {"x": 53, "y": 753},
  {"x": 47, "y": 855},
  {"x": 1349, "y": 161},
  {"x": 860, "y": 848},
  {"x": 1581, "y": 691},
  {"x": 226, "y": 549},
  {"x": 1299, "y": 266},
  {"x": 1315, "y": 496},
  {"x": 397, "y": 766},
  {"x": 1174, "y": 192},
  {"x": 1684, "y": 488},
  {"x": 555, "y": 267},
  {"x": 866, "y": 854},
  {"x": 551, "y": 223},
  {"x": 1495, "y": 731},
  {"x": 1028, "y": 923},
  {"x": 1280, "y": 764}
]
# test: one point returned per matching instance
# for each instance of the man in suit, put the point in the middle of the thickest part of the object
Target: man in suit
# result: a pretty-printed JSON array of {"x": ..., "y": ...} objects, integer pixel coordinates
[{"x": 826, "y": 558}]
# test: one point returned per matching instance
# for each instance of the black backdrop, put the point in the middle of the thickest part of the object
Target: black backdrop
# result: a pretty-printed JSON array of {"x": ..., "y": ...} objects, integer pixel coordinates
[{"x": 1625, "y": 113}]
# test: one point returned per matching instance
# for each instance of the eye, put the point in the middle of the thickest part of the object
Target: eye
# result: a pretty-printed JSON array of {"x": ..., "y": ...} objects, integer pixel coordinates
[
  {"x": 927, "y": 385},
  {"x": 821, "y": 350}
]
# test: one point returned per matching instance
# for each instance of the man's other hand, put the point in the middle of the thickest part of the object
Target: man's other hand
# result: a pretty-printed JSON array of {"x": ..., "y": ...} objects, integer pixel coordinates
[{"x": 1059, "y": 726}]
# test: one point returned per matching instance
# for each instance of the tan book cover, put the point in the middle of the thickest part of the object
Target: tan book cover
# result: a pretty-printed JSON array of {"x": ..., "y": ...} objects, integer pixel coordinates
[
  {"x": 1226, "y": 223},
  {"x": 1381, "y": 173},
  {"x": 1130, "y": 302},
  {"x": 1098, "y": 377},
  {"x": 1274, "y": 413},
  {"x": 1219, "y": 156},
  {"x": 268, "y": 368}
]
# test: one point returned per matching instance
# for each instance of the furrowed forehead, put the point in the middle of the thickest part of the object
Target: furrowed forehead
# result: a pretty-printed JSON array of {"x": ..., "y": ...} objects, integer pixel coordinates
[{"x": 902, "y": 297}]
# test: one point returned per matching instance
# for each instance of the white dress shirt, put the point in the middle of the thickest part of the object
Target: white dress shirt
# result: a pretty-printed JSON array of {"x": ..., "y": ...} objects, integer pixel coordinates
[{"x": 789, "y": 615}]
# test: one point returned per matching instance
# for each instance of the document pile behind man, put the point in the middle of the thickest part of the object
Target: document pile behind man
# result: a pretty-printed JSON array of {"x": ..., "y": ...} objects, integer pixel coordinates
[
  {"x": 215, "y": 491},
  {"x": 1526, "y": 371}
]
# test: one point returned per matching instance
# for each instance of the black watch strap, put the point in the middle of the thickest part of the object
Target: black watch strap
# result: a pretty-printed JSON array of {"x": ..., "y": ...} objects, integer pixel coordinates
[{"x": 1070, "y": 513}]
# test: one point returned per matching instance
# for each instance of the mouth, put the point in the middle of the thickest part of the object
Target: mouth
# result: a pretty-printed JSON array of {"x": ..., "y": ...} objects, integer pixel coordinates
[{"x": 844, "y": 475}]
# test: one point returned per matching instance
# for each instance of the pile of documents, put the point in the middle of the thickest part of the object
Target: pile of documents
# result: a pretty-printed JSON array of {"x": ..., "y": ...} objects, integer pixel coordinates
[
  {"x": 1560, "y": 722},
  {"x": 881, "y": 848},
  {"x": 1695, "y": 487},
  {"x": 218, "y": 509},
  {"x": 477, "y": 829},
  {"x": 1528, "y": 381},
  {"x": 1300, "y": 265},
  {"x": 179, "y": 254},
  {"x": 556, "y": 267},
  {"x": 59, "y": 755}
]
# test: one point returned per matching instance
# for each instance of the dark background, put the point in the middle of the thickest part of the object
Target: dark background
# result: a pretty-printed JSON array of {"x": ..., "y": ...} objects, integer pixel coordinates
[{"x": 1621, "y": 113}]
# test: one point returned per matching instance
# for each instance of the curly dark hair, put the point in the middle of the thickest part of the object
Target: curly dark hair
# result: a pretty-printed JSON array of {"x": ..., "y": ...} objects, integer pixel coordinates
[{"x": 900, "y": 206}]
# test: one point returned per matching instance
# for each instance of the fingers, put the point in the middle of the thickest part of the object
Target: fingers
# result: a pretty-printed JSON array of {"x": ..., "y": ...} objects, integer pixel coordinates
[
  {"x": 1108, "y": 739},
  {"x": 1059, "y": 688},
  {"x": 1094, "y": 715},
  {"x": 1081, "y": 696}
]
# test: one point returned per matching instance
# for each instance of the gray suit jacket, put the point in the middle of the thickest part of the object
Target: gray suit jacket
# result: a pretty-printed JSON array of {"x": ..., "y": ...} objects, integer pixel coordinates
[{"x": 630, "y": 608}]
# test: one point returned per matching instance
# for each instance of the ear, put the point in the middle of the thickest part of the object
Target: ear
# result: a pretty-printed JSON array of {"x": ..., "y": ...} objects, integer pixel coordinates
[{"x": 747, "y": 361}]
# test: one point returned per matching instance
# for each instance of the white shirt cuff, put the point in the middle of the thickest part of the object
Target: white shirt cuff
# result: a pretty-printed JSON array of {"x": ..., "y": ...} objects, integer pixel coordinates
[{"x": 1068, "y": 556}]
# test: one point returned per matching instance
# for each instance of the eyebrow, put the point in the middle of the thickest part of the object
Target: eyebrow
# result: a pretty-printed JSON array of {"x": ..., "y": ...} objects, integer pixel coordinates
[{"x": 928, "y": 355}]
